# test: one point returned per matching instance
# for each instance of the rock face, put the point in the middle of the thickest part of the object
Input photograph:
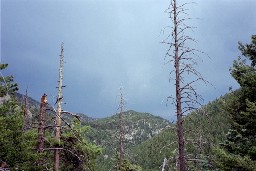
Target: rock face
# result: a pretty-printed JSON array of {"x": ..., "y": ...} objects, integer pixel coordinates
[{"x": 138, "y": 127}]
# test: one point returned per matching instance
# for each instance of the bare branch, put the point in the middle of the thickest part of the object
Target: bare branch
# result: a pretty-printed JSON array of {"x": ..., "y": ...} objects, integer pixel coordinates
[
  {"x": 72, "y": 114},
  {"x": 45, "y": 149},
  {"x": 186, "y": 76}
]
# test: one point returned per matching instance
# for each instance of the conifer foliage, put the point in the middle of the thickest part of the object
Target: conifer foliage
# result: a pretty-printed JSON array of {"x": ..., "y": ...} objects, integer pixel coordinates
[
  {"x": 14, "y": 143},
  {"x": 239, "y": 150}
]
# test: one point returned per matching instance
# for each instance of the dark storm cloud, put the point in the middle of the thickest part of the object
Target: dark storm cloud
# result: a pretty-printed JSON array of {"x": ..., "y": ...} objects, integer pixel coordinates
[{"x": 109, "y": 44}]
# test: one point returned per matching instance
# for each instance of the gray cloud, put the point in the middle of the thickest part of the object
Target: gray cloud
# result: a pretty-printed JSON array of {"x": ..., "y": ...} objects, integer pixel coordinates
[{"x": 109, "y": 44}]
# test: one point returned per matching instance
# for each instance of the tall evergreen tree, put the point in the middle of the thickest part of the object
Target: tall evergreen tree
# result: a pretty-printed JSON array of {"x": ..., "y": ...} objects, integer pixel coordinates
[
  {"x": 15, "y": 145},
  {"x": 78, "y": 154},
  {"x": 239, "y": 152},
  {"x": 10, "y": 120}
]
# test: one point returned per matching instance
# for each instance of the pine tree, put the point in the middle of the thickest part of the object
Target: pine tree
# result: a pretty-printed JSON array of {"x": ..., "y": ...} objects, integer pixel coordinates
[
  {"x": 11, "y": 121},
  {"x": 77, "y": 152},
  {"x": 239, "y": 150},
  {"x": 16, "y": 145}
]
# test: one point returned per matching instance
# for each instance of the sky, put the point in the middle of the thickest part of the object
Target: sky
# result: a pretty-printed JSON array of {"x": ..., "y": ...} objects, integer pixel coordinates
[{"x": 113, "y": 44}]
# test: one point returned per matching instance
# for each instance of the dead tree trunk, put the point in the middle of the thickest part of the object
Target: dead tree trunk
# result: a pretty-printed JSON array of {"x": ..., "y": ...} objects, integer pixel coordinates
[
  {"x": 58, "y": 113},
  {"x": 164, "y": 164},
  {"x": 121, "y": 138},
  {"x": 186, "y": 97},
  {"x": 182, "y": 165},
  {"x": 25, "y": 113},
  {"x": 41, "y": 124}
]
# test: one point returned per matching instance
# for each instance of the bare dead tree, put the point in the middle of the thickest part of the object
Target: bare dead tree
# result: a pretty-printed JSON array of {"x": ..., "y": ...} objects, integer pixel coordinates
[
  {"x": 182, "y": 56},
  {"x": 26, "y": 112},
  {"x": 121, "y": 136},
  {"x": 58, "y": 112},
  {"x": 41, "y": 124}
]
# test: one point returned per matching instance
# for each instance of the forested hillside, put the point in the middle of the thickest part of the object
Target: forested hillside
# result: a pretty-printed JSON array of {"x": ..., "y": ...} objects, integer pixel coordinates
[
  {"x": 139, "y": 127},
  {"x": 150, "y": 139},
  {"x": 104, "y": 132},
  {"x": 204, "y": 129}
]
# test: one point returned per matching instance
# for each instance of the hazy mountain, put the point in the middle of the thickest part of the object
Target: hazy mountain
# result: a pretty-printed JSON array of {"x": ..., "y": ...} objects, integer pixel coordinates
[{"x": 31, "y": 102}]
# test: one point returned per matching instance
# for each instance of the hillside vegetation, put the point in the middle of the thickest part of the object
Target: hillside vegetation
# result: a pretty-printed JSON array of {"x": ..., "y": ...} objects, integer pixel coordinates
[
  {"x": 204, "y": 129},
  {"x": 139, "y": 127},
  {"x": 150, "y": 139}
]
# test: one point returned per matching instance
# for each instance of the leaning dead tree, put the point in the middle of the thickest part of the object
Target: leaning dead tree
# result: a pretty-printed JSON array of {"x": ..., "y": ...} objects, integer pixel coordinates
[
  {"x": 58, "y": 112},
  {"x": 182, "y": 56}
]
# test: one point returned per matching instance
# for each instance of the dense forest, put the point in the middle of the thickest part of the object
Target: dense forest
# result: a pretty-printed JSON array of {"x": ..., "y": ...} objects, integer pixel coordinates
[{"x": 218, "y": 136}]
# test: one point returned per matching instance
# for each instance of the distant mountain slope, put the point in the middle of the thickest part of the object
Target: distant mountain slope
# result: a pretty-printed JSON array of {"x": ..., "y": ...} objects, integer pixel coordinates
[
  {"x": 85, "y": 120},
  {"x": 139, "y": 127},
  {"x": 31, "y": 101}
]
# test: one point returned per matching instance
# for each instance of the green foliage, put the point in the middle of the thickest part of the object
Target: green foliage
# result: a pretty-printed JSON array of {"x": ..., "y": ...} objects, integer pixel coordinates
[
  {"x": 139, "y": 127},
  {"x": 239, "y": 149},
  {"x": 78, "y": 153},
  {"x": 6, "y": 83},
  {"x": 228, "y": 161},
  {"x": 151, "y": 153},
  {"x": 16, "y": 147},
  {"x": 32, "y": 160},
  {"x": 203, "y": 129},
  {"x": 127, "y": 166},
  {"x": 10, "y": 133}
]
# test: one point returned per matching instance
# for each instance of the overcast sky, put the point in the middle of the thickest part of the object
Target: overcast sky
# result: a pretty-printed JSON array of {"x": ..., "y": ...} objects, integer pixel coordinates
[{"x": 110, "y": 44}]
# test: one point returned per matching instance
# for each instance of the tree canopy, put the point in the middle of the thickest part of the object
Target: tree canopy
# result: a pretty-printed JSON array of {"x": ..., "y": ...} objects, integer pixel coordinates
[{"x": 239, "y": 150}]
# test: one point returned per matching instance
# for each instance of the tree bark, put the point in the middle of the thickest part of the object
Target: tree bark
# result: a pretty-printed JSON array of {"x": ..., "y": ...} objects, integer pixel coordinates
[
  {"x": 41, "y": 124},
  {"x": 182, "y": 164},
  {"x": 121, "y": 138},
  {"x": 58, "y": 113}
]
